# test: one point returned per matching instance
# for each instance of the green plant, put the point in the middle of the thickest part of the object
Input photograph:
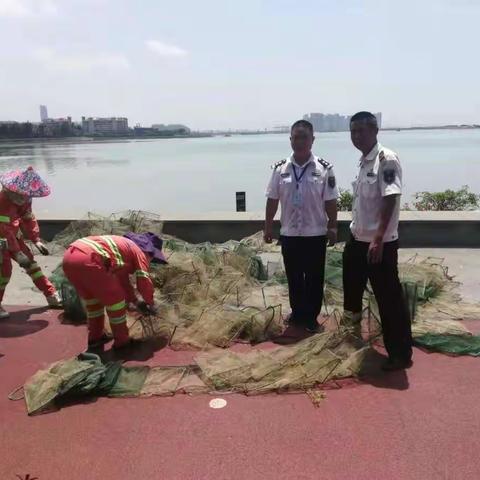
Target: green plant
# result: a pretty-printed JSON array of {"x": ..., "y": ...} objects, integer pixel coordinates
[
  {"x": 345, "y": 201},
  {"x": 449, "y": 200}
]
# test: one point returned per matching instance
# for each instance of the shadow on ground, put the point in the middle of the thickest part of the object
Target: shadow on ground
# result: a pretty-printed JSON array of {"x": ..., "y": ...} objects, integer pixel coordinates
[{"x": 20, "y": 325}]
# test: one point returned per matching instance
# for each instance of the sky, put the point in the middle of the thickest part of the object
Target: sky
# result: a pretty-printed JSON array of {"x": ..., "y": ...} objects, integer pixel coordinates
[{"x": 219, "y": 64}]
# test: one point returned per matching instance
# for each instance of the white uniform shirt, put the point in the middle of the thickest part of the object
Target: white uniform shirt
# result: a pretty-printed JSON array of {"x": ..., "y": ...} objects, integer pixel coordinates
[
  {"x": 303, "y": 210},
  {"x": 380, "y": 175}
]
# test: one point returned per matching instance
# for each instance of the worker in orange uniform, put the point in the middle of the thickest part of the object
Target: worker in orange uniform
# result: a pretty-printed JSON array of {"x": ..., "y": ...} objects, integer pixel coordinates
[
  {"x": 16, "y": 221},
  {"x": 99, "y": 268}
]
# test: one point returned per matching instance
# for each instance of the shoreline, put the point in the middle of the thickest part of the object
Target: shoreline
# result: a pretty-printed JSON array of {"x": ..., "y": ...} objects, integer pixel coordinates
[{"x": 86, "y": 138}]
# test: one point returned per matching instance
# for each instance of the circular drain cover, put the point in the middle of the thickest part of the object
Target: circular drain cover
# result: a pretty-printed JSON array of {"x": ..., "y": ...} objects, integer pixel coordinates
[{"x": 217, "y": 403}]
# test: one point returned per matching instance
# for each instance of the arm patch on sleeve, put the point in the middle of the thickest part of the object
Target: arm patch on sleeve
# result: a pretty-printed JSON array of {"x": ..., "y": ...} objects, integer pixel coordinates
[{"x": 389, "y": 175}]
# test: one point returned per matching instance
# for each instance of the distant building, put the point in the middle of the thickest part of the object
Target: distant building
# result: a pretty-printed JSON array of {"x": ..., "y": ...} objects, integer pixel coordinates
[
  {"x": 57, "y": 127},
  {"x": 105, "y": 126},
  {"x": 326, "y": 122},
  {"x": 172, "y": 128},
  {"x": 144, "y": 131},
  {"x": 43, "y": 113}
]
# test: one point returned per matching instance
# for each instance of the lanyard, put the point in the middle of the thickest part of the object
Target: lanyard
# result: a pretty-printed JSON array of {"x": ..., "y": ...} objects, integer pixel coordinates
[{"x": 298, "y": 178}]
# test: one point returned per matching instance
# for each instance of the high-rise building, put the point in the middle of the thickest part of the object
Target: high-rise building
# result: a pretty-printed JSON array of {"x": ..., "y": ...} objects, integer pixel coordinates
[{"x": 43, "y": 113}]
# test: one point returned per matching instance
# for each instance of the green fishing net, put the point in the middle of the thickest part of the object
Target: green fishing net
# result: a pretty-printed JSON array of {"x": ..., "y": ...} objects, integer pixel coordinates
[
  {"x": 212, "y": 296},
  {"x": 463, "y": 344}
]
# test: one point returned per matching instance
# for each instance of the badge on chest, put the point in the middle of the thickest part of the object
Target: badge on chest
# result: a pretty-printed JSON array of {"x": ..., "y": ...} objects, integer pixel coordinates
[{"x": 297, "y": 198}]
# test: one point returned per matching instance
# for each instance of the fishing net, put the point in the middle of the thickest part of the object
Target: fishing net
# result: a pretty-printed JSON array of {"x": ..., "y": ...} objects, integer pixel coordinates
[
  {"x": 213, "y": 296},
  {"x": 73, "y": 308},
  {"x": 460, "y": 344},
  {"x": 312, "y": 361},
  {"x": 114, "y": 224}
]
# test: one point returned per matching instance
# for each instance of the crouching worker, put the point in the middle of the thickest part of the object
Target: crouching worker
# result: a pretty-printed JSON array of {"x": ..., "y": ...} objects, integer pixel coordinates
[
  {"x": 16, "y": 221},
  {"x": 99, "y": 269}
]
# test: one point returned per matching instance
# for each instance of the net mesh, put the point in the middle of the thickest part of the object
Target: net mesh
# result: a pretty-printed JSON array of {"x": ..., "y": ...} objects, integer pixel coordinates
[{"x": 211, "y": 296}]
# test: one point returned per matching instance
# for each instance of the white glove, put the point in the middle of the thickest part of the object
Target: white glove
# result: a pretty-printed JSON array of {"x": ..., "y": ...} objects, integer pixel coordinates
[{"x": 42, "y": 248}]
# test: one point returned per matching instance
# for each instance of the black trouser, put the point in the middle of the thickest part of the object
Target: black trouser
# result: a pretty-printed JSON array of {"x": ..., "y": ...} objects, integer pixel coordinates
[
  {"x": 394, "y": 315},
  {"x": 304, "y": 259}
]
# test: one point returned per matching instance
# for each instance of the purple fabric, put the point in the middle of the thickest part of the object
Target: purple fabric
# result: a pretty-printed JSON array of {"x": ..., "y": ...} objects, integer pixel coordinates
[
  {"x": 27, "y": 183},
  {"x": 149, "y": 243}
]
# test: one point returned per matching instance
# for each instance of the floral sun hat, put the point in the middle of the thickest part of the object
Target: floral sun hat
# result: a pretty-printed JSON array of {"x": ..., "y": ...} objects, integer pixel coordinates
[{"x": 27, "y": 183}]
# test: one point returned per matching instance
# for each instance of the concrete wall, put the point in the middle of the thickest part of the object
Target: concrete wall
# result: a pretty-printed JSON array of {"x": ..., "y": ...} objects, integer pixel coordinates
[{"x": 417, "y": 229}]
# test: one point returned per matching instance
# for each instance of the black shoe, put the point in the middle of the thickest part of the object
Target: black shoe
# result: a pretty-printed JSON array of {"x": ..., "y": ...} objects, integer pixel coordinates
[
  {"x": 313, "y": 328},
  {"x": 397, "y": 363},
  {"x": 96, "y": 344},
  {"x": 293, "y": 321}
]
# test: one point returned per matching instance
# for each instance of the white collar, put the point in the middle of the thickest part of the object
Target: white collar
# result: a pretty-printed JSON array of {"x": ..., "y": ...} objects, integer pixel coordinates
[
  {"x": 372, "y": 155},
  {"x": 310, "y": 160}
]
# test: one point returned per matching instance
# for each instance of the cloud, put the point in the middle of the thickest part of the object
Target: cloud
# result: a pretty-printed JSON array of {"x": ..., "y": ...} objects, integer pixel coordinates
[
  {"x": 164, "y": 49},
  {"x": 80, "y": 62},
  {"x": 27, "y": 8},
  {"x": 14, "y": 8},
  {"x": 48, "y": 7}
]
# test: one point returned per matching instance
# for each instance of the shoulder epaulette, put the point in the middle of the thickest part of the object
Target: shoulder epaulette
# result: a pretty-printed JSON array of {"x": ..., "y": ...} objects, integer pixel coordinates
[
  {"x": 279, "y": 164},
  {"x": 325, "y": 164}
]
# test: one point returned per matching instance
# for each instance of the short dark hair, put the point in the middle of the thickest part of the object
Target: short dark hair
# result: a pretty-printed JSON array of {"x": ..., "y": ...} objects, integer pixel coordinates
[
  {"x": 304, "y": 124},
  {"x": 366, "y": 117}
]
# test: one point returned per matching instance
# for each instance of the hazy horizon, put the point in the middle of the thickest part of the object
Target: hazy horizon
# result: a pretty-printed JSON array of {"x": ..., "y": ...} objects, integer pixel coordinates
[{"x": 240, "y": 65}]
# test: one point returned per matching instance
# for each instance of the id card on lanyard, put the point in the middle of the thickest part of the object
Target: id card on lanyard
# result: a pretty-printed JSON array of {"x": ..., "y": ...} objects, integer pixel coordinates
[{"x": 297, "y": 195}]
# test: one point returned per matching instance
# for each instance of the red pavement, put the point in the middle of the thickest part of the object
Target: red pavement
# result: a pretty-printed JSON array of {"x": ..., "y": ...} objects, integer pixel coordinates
[{"x": 424, "y": 424}]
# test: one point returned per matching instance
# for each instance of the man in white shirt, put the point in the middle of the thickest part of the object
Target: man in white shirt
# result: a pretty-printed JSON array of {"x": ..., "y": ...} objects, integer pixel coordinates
[
  {"x": 305, "y": 188},
  {"x": 372, "y": 251}
]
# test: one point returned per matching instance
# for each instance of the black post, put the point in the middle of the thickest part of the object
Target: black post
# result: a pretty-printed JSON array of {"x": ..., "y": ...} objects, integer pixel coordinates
[{"x": 241, "y": 202}]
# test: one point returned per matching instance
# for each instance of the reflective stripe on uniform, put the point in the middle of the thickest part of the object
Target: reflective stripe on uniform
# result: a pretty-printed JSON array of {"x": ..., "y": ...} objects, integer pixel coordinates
[
  {"x": 37, "y": 275},
  {"x": 115, "y": 249},
  {"x": 4, "y": 219},
  {"x": 118, "y": 320},
  {"x": 116, "y": 306},
  {"x": 142, "y": 273},
  {"x": 96, "y": 246},
  {"x": 96, "y": 313}
]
